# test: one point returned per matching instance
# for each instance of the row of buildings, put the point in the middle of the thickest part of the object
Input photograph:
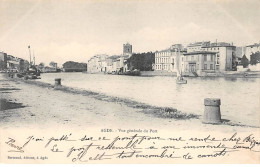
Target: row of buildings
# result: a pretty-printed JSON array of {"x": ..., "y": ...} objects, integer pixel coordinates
[
  {"x": 248, "y": 50},
  {"x": 9, "y": 62},
  {"x": 103, "y": 63},
  {"x": 197, "y": 59}
]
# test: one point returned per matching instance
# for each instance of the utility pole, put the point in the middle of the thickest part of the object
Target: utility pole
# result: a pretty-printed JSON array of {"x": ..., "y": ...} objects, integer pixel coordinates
[
  {"x": 30, "y": 55},
  {"x": 33, "y": 58}
]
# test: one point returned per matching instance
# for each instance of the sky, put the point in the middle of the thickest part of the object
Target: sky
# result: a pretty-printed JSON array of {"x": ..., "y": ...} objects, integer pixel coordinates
[{"x": 75, "y": 30}]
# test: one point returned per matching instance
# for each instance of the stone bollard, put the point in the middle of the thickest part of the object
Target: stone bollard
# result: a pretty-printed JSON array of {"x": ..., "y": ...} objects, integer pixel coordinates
[
  {"x": 57, "y": 82},
  {"x": 212, "y": 111}
]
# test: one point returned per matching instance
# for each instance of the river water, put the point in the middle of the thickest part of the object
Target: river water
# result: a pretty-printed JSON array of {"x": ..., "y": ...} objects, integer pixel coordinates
[{"x": 239, "y": 96}]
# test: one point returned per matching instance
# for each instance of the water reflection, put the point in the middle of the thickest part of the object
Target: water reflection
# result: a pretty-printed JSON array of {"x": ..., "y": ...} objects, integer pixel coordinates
[{"x": 230, "y": 79}]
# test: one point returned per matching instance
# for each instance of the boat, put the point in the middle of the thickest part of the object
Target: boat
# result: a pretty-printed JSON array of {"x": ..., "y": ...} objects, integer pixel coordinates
[
  {"x": 30, "y": 73},
  {"x": 179, "y": 78},
  {"x": 132, "y": 72}
]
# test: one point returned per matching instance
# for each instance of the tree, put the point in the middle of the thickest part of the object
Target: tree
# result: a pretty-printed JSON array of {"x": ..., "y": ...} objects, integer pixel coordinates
[
  {"x": 53, "y": 64},
  {"x": 255, "y": 58},
  {"x": 244, "y": 61},
  {"x": 141, "y": 61},
  {"x": 74, "y": 66},
  {"x": 234, "y": 62},
  {"x": 2, "y": 65},
  {"x": 41, "y": 64}
]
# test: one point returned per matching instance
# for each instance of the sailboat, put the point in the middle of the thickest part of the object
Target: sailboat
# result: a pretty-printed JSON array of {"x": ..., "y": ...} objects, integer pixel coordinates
[{"x": 179, "y": 79}]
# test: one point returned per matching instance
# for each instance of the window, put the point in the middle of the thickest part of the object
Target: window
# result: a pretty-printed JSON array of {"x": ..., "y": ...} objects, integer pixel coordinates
[
  {"x": 217, "y": 67},
  {"x": 211, "y": 66},
  {"x": 211, "y": 57},
  {"x": 192, "y": 57},
  {"x": 205, "y": 66},
  {"x": 205, "y": 57}
]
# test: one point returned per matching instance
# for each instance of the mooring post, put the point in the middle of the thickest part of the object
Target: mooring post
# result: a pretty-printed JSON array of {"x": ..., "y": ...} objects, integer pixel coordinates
[
  {"x": 212, "y": 113},
  {"x": 57, "y": 82}
]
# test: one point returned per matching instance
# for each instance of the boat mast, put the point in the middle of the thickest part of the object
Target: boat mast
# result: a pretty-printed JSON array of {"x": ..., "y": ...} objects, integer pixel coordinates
[
  {"x": 33, "y": 58},
  {"x": 30, "y": 56},
  {"x": 179, "y": 52},
  {"x": 177, "y": 62}
]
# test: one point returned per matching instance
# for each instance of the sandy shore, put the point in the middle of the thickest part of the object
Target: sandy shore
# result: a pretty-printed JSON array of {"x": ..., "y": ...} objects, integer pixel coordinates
[{"x": 30, "y": 104}]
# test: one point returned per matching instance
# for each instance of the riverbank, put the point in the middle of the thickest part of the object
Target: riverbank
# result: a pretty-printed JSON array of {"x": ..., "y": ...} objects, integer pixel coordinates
[
  {"x": 227, "y": 74},
  {"x": 29, "y": 103}
]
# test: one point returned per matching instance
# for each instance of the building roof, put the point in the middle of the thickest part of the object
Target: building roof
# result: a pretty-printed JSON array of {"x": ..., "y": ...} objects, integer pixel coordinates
[
  {"x": 199, "y": 52},
  {"x": 169, "y": 50},
  {"x": 13, "y": 62},
  {"x": 114, "y": 57},
  {"x": 198, "y": 43},
  {"x": 219, "y": 44},
  {"x": 256, "y": 44}
]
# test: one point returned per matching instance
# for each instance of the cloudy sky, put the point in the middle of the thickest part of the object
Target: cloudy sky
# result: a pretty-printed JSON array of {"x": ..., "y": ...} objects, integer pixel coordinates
[{"x": 63, "y": 30}]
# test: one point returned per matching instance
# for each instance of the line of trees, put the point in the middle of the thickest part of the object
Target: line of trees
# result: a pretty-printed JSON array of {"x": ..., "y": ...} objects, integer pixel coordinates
[
  {"x": 254, "y": 59},
  {"x": 141, "y": 61},
  {"x": 74, "y": 66}
]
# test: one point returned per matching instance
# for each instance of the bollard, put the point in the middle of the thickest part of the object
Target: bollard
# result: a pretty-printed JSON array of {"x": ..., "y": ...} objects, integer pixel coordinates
[
  {"x": 57, "y": 82},
  {"x": 212, "y": 111}
]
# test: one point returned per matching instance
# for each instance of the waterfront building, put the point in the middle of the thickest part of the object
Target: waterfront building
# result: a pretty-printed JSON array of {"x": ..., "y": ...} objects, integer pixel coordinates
[
  {"x": 48, "y": 69},
  {"x": 110, "y": 64},
  {"x": 92, "y": 65},
  {"x": 197, "y": 46},
  {"x": 166, "y": 60},
  {"x": 251, "y": 49},
  {"x": 121, "y": 64},
  {"x": 13, "y": 63},
  {"x": 200, "y": 62},
  {"x": 114, "y": 66},
  {"x": 127, "y": 50},
  {"x": 98, "y": 63},
  {"x": 226, "y": 52},
  {"x": 240, "y": 52},
  {"x": 3, "y": 61}
]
